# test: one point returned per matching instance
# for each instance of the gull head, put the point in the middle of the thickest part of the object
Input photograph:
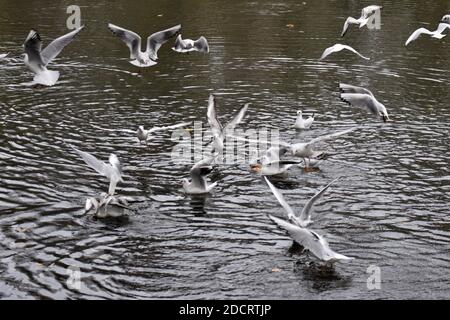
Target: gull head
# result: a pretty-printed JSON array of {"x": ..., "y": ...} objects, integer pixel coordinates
[
  {"x": 445, "y": 19},
  {"x": 299, "y": 112}
]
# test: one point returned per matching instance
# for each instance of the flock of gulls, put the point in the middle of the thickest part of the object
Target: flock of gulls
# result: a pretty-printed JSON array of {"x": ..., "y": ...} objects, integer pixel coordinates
[{"x": 276, "y": 160}]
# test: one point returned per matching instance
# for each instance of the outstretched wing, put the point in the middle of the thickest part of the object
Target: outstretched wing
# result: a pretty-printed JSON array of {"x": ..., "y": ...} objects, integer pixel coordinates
[
  {"x": 216, "y": 127},
  {"x": 347, "y": 23},
  {"x": 157, "y": 39},
  {"x": 179, "y": 125},
  {"x": 99, "y": 166},
  {"x": 306, "y": 212},
  {"x": 354, "y": 51},
  {"x": 331, "y": 136},
  {"x": 201, "y": 44},
  {"x": 416, "y": 34},
  {"x": 56, "y": 46},
  {"x": 347, "y": 88},
  {"x": 280, "y": 199},
  {"x": 362, "y": 101},
  {"x": 33, "y": 46},
  {"x": 238, "y": 118},
  {"x": 131, "y": 39}
]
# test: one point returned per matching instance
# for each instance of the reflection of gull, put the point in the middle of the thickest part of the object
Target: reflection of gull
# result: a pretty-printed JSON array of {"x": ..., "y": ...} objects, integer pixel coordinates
[
  {"x": 37, "y": 59},
  {"x": 112, "y": 171},
  {"x": 311, "y": 241},
  {"x": 188, "y": 45},
  {"x": 3, "y": 55},
  {"x": 363, "y": 98},
  {"x": 301, "y": 123},
  {"x": 107, "y": 206},
  {"x": 438, "y": 33},
  {"x": 304, "y": 219},
  {"x": 133, "y": 41},
  {"x": 219, "y": 133},
  {"x": 198, "y": 173},
  {"x": 362, "y": 21},
  {"x": 338, "y": 47}
]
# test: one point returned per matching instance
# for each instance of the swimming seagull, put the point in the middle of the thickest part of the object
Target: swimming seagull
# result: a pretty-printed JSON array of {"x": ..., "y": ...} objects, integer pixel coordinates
[
  {"x": 304, "y": 219},
  {"x": 188, "y": 45},
  {"x": 438, "y": 33},
  {"x": 148, "y": 57},
  {"x": 361, "y": 21},
  {"x": 3, "y": 55},
  {"x": 198, "y": 173},
  {"x": 363, "y": 98},
  {"x": 113, "y": 170},
  {"x": 37, "y": 59},
  {"x": 301, "y": 123},
  {"x": 218, "y": 131},
  {"x": 311, "y": 241},
  {"x": 107, "y": 206},
  {"x": 338, "y": 47}
]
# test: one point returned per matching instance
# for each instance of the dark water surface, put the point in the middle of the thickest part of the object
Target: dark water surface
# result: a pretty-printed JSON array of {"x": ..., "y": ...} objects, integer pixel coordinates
[{"x": 390, "y": 209}]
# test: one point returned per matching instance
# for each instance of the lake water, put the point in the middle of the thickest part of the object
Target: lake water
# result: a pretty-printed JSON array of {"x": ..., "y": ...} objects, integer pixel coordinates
[{"x": 390, "y": 209}]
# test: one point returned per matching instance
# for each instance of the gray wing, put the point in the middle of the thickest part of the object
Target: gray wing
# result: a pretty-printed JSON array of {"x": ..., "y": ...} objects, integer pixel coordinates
[
  {"x": 362, "y": 101},
  {"x": 442, "y": 27},
  {"x": 306, "y": 212},
  {"x": 179, "y": 43},
  {"x": 214, "y": 123},
  {"x": 347, "y": 88},
  {"x": 416, "y": 34},
  {"x": 131, "y": 39},
  {"x": 280, "y": 199},
  {"x": 115, "y": 173},
  {"x": 56, "y": 46},
  {"x": 201, "y": 45},
  {"x": 157, "y": 39},
  {"x": 354, "y": 51},
  {"x": 327, "y": 52},
  {"x": 33, "y": 46},
  {"x": 99, "y": 166},
  {"x": 238, "y": 118},
  {"x": 179, "y": 125},
  {"x": 331, "y": 136},
  {"x": 347, "y": 23}
]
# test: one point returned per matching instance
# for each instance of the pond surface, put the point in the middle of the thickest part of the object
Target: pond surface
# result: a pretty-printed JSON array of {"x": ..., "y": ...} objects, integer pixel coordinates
[{"x": 390, "y": 209}]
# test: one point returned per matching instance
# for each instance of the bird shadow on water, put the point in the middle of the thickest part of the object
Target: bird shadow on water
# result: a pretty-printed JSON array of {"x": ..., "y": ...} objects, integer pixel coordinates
[
  {"x": 198, "y": 203},
  {"x": 319, "y": 276}
]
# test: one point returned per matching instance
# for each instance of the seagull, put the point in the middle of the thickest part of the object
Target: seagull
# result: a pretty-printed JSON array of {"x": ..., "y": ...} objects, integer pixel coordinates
[
  {"x": 304, "y": 149},
  {"x": 188, "y": 45},
  {"x": 113, "y": 170},
  {"x": 362, "y": 21},
  {"x": 301, "y": 123},
  {"x": 363, "y": 98},
  {"x": 107, "y": 206},
  {"x": 3, "y": 55},
  {"x": 37, "y": 59},
  {"x": 311, "y": 241},
  {"x": 198, "y": 173},
  {"x": 145, "y": 135},
  {"x": 218, "y": 131},
  {"x": 304, "y": 219},
  {"x": 444, "y": 24},
  {"x": 270, "y": 163},
  {"x": 148, "y": 57},
  {"x": 338, "y": 47}
]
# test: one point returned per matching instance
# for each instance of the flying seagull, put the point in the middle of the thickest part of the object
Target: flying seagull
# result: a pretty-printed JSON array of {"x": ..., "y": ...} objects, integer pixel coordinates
[
  {"x": 362, "y": 20},
  {"x": 444, "y": 24},
  {"x": 301, "y": 123},
  {"x": 338, "y": 47},
  {"x": 218, "y": 131},
  {"x": 363, "y": 98},
  {"x": 311, "y": 241},
  {"x": 37, "y": 59},
  {"x": 133, "y": 41},
  {"x": 198, "y": 173},
  {"x": 304, "y": 219},
  {"x": 188, "y": 45},
  {"x": 271, "y": 163},
  {"x": 113, "y": 170}
]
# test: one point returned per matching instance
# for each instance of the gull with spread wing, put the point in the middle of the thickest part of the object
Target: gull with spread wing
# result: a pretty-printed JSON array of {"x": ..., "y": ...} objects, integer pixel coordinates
[
  {"x": 37, "y": 59},
  {"x": 339, "y": 47},
  {"x": 133, "y": 41},
  {"x": 304, "y": 219},
  {"x": 311, "y": 241},
  {"x": 107, "y": 206},
  {"x": 363, "y": 98},
  {"x": 198, "y": 173},
  {"x": 301, "y": 123},
  {"x": 362, "y": 20},
  {"x": 443, "y": 25},
  {"x": 188, "y": 45},
  {"x": 112, "y": 171}
]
